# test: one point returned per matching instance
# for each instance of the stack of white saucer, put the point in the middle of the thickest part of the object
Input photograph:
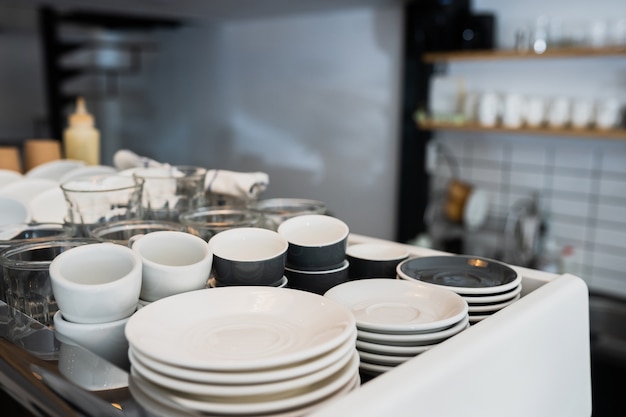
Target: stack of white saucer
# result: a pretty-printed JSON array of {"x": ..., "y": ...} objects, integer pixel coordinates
[
  {"x": 242, "y": 350},
  {"x": 397, "y": 320}
]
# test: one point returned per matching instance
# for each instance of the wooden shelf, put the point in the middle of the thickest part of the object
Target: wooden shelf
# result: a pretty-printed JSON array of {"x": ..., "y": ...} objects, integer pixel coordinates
[
  {"x": 617, "y": 134},
  {"x": 487, "y": 55}
]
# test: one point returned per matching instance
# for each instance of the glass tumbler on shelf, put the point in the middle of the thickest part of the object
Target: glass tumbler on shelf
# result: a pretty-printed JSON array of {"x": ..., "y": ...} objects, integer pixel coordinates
[
  {"x": 209, "y": 221},
  {"x": 171, "y": 190},
  {"x": 25, "y": 273},
  {"x": 94, "y": 201}
]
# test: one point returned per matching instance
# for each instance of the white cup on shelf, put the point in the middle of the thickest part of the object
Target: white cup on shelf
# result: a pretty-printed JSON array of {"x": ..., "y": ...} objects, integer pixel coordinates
[
  {"x": 608, "y": 113},
  {"x": 514, "y": 110},
  {"x": 583, "y": 113},
  {"x": 489, "y": 109},
  {"x": 535, "y": 111},
  {"x": 559, "y": 112}
]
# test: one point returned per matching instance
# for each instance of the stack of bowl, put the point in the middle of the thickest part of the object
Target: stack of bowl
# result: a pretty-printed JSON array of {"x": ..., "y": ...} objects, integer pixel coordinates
[
  {"x": 96, "y": 287},
  {"x": 486, "y": 285},
  {"x": 316, "y": 257},
  {"x": 397, "y": 320},
  {"x": 248, "y": 256},
  {"x": 241, "y": 351}
]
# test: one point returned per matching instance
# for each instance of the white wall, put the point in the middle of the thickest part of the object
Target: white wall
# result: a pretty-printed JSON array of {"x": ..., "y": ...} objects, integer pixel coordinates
[{"x": 312, "y": 100}]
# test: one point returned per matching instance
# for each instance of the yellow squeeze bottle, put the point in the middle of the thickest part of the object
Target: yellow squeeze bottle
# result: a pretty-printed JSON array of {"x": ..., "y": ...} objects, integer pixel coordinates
[{"x": 81, "y": 140}]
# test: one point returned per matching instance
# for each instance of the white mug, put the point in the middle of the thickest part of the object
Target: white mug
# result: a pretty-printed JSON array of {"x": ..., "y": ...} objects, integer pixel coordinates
[
  {"x": 173, "y": 262},
  {"x": 559, "y": 112},
  {"x": 608, "y": 113},
  {"x": 489, "y": 108},
  {"x": 514, "y": 110},
  {"x": 583, "y": 113},
  {"x": 535, "y": 111},
  {"x": 96, "y": 283}
]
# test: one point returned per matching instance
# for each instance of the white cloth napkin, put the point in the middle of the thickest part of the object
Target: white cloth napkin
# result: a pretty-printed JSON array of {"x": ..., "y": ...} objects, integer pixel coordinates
[{"x": 242, "y": 185}]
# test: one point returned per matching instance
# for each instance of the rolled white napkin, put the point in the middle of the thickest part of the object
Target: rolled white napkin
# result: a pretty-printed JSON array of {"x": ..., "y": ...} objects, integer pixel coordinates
[{"x": 242, "y": 185}]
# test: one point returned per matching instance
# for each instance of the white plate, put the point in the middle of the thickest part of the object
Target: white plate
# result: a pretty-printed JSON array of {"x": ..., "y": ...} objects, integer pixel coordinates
[
  {"x": 491, "y": 307},
  {"x": 8, "y": 176},
  {"x": 239, "y": 328},
  {"x": 364, "y": 346},
  {"x": 54, "y": 170},
  {"x": 13, "y": 211},
  {"x": 412, "y": 339},
  {"x": 87, "y": 171},
  {"x": 399, "y": 306},
  {"x": 49, "y": 206},
  {"x": 246, "y": 378},
  {"x": 168, "y": 408},
  {"x": 495, "y": 298},
  {"x": 282, "y": 388},
  {"x": 342, "y": 382},
  {"x": 382, "y": 359},
  {"x": 26, "y": 189},
  {"x": 374, "y": 369}
]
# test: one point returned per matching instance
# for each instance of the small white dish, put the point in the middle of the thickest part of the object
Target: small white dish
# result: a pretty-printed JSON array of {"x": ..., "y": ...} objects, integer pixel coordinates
[
  {"x": 383, "y": 359},
  {"x": 54, "y": 170},
  {"x": 341, "y": 382},
  {"x": 364, "y": 346},
  {"x": 239, "y": 328},
  {"x": 7, "y": 176},
  {"x": 399, "y": 306},
  {"x": 87, "y": 171},
  {"x": 49, "y": 206},
  {"x": 263, "y": 376},
  {"x": 412, "y": 339},
  {"x": 491, "y": 307},
  {"x": 374, "y": 369},
  {"x": 26, "y": 189},
  {"x": 495, "y": 298},
  {"x": 13, "y": 211}
]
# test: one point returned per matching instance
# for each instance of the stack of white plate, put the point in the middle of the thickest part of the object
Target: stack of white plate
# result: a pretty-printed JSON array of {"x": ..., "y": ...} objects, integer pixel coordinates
[
  {"x": 242, "y": 351},
  {"x": 397, "y": 320},
  {"x": 487, "y": 285}
]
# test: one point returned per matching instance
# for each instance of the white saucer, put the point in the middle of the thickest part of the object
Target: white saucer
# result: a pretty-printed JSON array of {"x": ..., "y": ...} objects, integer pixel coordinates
[
  {"x": 226, "y": 390},
  {"x": 382, "y": 359},
  {"x": 341, "y": 382},
  {"x": 374, "y": 369},
  {"x": 412, "y": 339},
  {"x": 49, "y": 206},
  {"x": 8, "y": 176},
  {"x": 491, "y": 307},
  {"x": 495, "y": 298},
  {"x": 13, "y": 211},
  {"x": 54, "y": 170},
  {"x": 399, "y": 306},
  {"x": 364, "y": 346},
  {"x": 239, "y": 328},
  {"x": 26, "y": 189},
  {"x": 247, "y": 378}
]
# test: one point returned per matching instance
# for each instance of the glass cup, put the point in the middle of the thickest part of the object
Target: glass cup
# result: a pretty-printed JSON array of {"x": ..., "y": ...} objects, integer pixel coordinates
[
  {"x": 97, "y": 200},
  {"x": 277, "y": 210},
  {"x": 16, "y": 234},
  {"x": 209, "y": 221},
  {"x": 25, "y": 273},
  {"x": 169, "y": 191},
  {"x": 120, "y": 232}
]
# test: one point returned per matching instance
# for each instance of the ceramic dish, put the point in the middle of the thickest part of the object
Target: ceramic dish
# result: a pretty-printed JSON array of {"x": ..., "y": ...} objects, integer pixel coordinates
[
  {"x": 239, "y": 328},
  {"x": 26, "y": 189},
  {"x": 280, "y": 284},
  {"x": 343, "y": 381},
  {"x": 495, "y": 298},
  {"x": 461, "y": 274},
  {"x": 364, "y": 346},
  {"x": 399, "y": 306},
  {"x": 491, "y": 307},
  {"x": 382, "y": 359},
  {"x": 13, "y": 211},
  {"x": 49, "y": 206},
  {"x": 54, "y": 170},
  {"x": 412, "y": 339},
  {"x": 166, "y": 407},
  {"x": 8, "y": 176},
  {"x": 374, "y": 369},
  {"x": 282, "y": 387},
  {"x": 87, "y": 171},
  {"x": 247, "y": 378}
]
